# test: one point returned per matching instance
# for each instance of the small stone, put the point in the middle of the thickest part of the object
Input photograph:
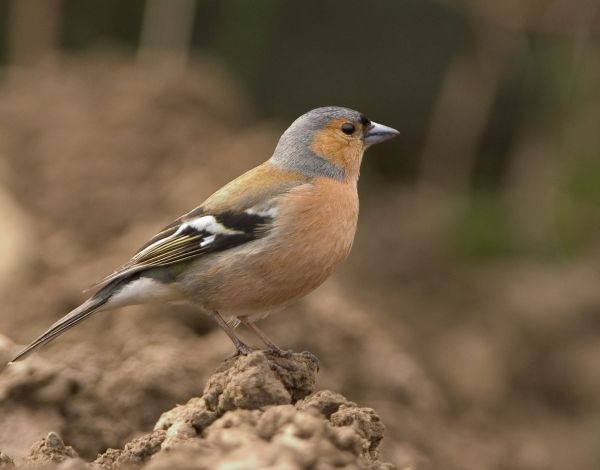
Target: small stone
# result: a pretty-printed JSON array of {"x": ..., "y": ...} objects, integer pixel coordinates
[{"x": 51, "y": 449}]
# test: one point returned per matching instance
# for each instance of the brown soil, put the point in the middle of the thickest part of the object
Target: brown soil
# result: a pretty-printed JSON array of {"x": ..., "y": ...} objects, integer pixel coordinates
[
  {"x": 256, "y": 411},
  {"x": 469, "y": 367}
]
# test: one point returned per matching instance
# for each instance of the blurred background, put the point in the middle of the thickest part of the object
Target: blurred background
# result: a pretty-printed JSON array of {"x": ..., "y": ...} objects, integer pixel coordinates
[{"x": 468, "y": 314}]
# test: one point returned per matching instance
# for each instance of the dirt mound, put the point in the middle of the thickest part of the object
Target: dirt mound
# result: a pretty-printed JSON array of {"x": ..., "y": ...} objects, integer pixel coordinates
[
  {"x": 97, "y": 401},
  {"x": 256, "y": 411},
  {"x": 470, "y": 366}
]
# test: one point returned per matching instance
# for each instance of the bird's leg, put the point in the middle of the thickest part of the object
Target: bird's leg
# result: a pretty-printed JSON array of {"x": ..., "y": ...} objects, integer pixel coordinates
[
  {"x": 263, "y": 337},
  {"x": 240, "y": 346}
]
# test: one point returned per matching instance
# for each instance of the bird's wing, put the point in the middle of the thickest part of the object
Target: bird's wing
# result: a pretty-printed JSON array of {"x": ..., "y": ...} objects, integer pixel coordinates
[
  {"x": 241, "y": 211},
  {"x": 196, "y": 234}
]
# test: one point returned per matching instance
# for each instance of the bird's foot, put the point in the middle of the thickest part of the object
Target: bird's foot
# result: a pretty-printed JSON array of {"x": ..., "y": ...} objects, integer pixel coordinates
[{"x": 242, "y": 349}]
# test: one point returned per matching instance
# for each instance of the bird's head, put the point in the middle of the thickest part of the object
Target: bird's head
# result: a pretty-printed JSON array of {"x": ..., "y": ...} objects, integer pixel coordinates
[{"x": 329, "y": 142}]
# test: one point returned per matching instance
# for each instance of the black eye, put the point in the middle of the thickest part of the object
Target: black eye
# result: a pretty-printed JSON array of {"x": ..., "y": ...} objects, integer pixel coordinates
[{"x": 348, "y": 128}]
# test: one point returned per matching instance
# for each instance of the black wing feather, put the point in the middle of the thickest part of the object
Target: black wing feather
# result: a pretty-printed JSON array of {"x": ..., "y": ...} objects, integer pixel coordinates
[{"x": 180, "y": 241}]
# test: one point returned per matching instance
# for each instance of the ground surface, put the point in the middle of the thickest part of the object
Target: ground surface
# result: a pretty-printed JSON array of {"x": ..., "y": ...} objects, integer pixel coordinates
[
  {"x": 256, "y": 411},
  {"x": 469, "y": 366}
]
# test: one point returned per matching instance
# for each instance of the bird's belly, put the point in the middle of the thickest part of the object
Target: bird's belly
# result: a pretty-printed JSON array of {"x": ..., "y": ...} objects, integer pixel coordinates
[
  {"x": 275, "y": 270},
  {"x": 263, "y": 279}
]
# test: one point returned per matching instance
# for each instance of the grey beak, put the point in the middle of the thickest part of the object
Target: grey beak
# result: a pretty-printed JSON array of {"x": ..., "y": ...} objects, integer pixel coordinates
[{"x": 378, "y": 133}]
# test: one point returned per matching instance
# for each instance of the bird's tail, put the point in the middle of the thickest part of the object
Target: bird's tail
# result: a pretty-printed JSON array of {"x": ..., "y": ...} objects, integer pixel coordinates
[{"x": 90, "y": 306}]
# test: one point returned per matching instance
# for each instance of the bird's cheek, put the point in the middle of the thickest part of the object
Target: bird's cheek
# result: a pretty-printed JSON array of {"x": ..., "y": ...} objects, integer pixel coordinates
[{"x": 336, "y": 149}]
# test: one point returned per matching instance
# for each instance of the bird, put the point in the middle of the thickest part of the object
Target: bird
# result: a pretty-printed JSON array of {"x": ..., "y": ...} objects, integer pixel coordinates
[{"x": 262, "y": 241}]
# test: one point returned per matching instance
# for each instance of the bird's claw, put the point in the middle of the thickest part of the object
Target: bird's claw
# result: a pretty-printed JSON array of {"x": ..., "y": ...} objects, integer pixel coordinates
[{"x": 242, "y": 349}]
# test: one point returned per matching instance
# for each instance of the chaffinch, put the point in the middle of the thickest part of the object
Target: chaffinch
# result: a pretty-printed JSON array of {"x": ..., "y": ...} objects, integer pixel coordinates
[{"x": 265, "y": 239}]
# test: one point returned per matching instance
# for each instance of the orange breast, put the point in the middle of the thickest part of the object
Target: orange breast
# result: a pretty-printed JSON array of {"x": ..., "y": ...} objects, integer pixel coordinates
[{"x": 314, "y": 232}]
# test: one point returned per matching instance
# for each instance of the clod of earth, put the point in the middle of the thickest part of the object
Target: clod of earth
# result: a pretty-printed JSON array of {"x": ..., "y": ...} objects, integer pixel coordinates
[{"x": 256, "y": 411}]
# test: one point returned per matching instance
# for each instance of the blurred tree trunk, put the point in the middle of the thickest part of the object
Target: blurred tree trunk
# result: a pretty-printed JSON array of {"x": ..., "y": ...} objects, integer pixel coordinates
[
  {"x": 167, "y": 31},
  {"x": 462, "y": 110},
  {"x": 34, "y": 29},
  {"x": 560, "y": 139},
  {"x": 467, "y": 96}
]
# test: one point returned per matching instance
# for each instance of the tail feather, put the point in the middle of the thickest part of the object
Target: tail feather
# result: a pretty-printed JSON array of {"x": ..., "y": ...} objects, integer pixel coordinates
[{"x": 77, "y": 315}]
